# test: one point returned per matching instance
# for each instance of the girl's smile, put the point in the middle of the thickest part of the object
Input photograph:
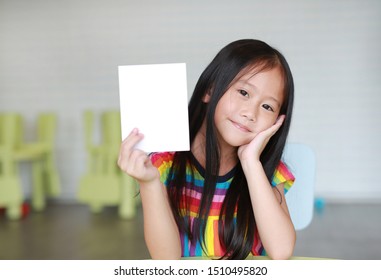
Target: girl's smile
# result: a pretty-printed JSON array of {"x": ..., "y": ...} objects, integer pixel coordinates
[{"x": 241, "y": 127}]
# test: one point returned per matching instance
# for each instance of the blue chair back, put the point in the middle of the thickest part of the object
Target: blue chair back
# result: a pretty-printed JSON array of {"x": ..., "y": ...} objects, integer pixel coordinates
[{"x": 301, "y": 161}]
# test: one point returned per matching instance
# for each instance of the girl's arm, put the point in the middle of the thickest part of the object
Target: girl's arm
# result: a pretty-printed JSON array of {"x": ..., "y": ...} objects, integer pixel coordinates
[
  {"x": 160, "y": 229},
  {"x": 271, "y": 214},
  {"x": 273, "y": 220}
]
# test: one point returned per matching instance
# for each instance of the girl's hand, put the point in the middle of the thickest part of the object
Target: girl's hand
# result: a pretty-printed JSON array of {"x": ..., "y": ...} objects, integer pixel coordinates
[
  {"x": 253, "y": 150},
  {"x": 134, "y": 162}
]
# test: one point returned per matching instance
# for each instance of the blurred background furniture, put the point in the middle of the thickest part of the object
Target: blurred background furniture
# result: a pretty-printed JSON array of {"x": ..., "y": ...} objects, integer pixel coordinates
[
  {"x": 104, "y": 184},
  {"x": 40, "y": 153},
  {"x": 11, "y": 195},
  {"x": 300, "y": 159}
]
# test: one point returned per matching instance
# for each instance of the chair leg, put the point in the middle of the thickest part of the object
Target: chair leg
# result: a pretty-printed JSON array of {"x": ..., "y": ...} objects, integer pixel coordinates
[
  {"x": 127, "y": 207},
  {"x": 96, "y": 208},
  {"x": 51, "y": 177},
  {"x": 38, "y": 197},
  {"x": 52, "y": 183},
  {"x": 14, "y": 211},
  {"x": 11, "y": 195}
]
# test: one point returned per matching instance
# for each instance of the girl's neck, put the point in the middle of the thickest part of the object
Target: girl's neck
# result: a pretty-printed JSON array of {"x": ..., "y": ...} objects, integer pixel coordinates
[{"x": 228, "y": 154}]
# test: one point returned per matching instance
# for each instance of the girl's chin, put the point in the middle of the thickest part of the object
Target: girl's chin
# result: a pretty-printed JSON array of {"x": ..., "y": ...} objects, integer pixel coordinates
[
  {"x": 239, "y": 143},
  {"x": 247, "y": 141}
]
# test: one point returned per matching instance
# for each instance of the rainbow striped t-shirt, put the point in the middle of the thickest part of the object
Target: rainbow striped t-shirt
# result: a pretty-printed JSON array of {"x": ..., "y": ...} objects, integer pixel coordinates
[{"x": 212, "y": 248}]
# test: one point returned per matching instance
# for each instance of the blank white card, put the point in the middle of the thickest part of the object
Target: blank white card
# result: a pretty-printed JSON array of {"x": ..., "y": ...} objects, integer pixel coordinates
[{"x": 153, "y": 98}]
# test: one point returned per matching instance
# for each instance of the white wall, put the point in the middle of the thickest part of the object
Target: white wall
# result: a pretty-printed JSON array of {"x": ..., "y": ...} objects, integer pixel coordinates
[{"x": 63, "y": 55}]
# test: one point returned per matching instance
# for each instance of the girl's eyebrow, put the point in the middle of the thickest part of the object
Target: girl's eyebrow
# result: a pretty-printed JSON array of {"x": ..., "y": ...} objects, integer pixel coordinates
[{"x": 244, "y": 82}]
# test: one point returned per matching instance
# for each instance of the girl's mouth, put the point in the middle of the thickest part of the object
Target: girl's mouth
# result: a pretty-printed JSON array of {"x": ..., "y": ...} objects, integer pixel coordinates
[{"x": 241, "y": 127}]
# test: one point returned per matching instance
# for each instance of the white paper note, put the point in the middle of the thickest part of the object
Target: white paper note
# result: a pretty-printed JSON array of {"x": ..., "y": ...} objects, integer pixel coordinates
[{"x": 153, "y": 98}]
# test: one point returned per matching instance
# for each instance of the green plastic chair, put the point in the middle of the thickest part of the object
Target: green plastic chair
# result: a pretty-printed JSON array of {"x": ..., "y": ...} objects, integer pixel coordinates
[
  {"x": 41, "y": 154},
  {"x": 11, "y": 196},
  {"x": 104, "y": 184}
]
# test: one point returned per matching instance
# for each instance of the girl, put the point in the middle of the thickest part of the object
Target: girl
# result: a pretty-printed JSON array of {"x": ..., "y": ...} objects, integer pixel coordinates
[{"x": 225, "y": 197}]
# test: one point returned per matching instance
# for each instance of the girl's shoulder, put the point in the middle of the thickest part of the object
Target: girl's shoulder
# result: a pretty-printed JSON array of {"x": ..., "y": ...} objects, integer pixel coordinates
[
  {"x": 283, "y": 175},
  {"x": 158, "y": 159},
  {"x": 163, "y": 162}
]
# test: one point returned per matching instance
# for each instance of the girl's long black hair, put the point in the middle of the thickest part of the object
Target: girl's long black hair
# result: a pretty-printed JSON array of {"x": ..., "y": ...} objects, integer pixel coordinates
[{"x": 236, "y": 236}]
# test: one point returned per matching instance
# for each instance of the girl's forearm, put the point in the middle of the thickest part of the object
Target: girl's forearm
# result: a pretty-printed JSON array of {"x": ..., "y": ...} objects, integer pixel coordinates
[
  {"x": 273, "y": 220},
  {"x": 160, "y": 229}
]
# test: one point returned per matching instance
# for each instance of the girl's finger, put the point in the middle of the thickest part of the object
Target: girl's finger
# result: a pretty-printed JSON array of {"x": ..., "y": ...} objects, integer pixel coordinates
[
  {"x": 274, "y": 128},
  {"x": 133, "y": 132},
  {"x": 280, "y": 120},
  {"x": 127, "y": 145},
  {"x": 131, "y": 140}
]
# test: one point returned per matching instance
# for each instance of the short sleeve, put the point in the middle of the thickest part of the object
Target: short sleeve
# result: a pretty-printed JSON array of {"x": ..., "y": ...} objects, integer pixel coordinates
[
  {"x": 163, "y": 162},
  {"x": 283, "y": 175}
]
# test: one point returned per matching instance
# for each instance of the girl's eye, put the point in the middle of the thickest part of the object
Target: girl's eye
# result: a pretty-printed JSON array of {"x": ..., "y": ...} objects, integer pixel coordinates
[
  {"x": 268, "y": 107},
  {"x": 243, "y": 92}
]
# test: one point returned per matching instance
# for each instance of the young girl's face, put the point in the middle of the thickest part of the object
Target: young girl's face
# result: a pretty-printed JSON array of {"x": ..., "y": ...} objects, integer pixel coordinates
[{"x": 251, "y": 105}]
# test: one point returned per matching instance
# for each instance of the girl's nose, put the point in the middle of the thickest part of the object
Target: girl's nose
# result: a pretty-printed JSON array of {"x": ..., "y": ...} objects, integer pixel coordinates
[
  {"x": 250, "y": 113},
  {"x": 250, "y": 116}
]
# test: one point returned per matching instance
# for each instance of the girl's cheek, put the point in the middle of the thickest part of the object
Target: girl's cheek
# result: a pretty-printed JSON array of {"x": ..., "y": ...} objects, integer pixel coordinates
[{"x": 269, "y": 124}]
